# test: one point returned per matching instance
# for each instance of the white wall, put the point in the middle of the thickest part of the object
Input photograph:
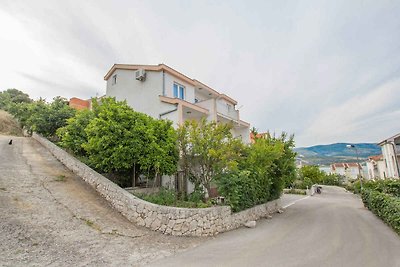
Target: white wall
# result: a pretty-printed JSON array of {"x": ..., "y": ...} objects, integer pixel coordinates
[
  {"x": 141, "y": 96},
  {"x": 390, "y": 158},
  {"x": 169, "y": 85}
]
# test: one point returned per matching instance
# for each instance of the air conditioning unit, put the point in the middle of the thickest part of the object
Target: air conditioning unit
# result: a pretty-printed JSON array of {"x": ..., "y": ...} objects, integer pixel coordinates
[{"x": 140, "y": 75}]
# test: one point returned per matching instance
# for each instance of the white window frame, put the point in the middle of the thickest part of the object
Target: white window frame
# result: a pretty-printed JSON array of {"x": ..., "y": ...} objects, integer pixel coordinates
[{"x": 179, "y": 87}]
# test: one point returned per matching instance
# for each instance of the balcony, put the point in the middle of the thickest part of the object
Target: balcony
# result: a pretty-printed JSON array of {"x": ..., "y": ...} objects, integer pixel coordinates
[{"x": 220, "y": 107}]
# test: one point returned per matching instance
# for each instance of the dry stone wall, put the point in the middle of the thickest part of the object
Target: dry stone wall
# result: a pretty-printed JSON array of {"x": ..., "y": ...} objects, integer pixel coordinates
[{"x": 168, "y": 220}]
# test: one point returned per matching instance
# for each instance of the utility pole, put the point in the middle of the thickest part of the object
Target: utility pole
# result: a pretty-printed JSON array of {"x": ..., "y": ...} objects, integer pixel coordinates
[{"x": 358, "y": 162}]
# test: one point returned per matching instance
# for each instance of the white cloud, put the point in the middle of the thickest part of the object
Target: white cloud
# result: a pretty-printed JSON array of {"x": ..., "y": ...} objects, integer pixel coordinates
[{"x": 293, "y": 66}]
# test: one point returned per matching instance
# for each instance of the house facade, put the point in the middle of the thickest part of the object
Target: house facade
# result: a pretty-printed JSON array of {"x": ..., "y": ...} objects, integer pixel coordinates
[
  {"x": 349, "y": 170},
  {"x": 164, "y": 93},
  {"x": 391, "y": 155},
  {"x": 376, "y": 167}
]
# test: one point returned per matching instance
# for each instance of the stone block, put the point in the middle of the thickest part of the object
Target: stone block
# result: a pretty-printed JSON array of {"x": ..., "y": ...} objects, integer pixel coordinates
[{"x": 250, "y": 224}]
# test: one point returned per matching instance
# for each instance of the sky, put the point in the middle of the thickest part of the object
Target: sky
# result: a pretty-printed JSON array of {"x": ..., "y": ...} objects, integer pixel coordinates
[{"x": 326, "y": 71}]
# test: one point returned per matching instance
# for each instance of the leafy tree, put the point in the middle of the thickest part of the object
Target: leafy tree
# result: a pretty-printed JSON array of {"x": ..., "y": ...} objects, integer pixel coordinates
[
  {"x": 73, "y": 135},
  {"x": 207, "y": 149},
  {"x": 122, "y": 140},
  {"x": 13, "y": 96},
  {"x": 46, "y": 118},
  {"x": 311, "y": 175}
]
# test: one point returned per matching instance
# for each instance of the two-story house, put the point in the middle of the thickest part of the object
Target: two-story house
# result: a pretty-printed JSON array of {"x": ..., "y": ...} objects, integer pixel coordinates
[
  {"x": 164, "y": 93},
  {"x": 348, "y": 170},
  {"x": 391, "y": 155},
  {"x": 376, "y": 167}
]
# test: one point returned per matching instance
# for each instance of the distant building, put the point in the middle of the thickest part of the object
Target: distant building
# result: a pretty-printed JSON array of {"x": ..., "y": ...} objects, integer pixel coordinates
[
  {"x": 349, "y": 170},
  {"x": 79, "y": 104},
  {"x": 391, "y": 155},
  {"x": 376, "y": 167}
]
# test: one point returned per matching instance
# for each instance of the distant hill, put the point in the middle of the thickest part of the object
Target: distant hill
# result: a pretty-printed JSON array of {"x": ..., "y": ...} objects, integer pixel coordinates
[{"x": 338, "y": 152}]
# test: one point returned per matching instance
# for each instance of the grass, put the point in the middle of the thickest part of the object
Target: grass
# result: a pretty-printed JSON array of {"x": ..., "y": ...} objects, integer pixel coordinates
[
  {"x": 60, "y": 178},
  {"x": 8, "y": 125}
]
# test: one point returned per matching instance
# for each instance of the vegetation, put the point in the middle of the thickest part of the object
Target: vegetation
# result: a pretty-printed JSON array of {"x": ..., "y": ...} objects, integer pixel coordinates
[
  {"x": 115, "y": 139},
  {"x": 122, "y": 140},
  {"x": 169, "y": 197},
  {"x": 207, "y": 150},
  {"x": 309, "y": 175},
  {"x": 10, "y": 97},
  {"x": 8, "y": 125},
  {"x": 382, "y": 197},
  {"x": 259, "y": 176},
  {"x": 73, "y": 135},
  {"x": 246, "y": 175},
  {"x": 39, "y": 116}
]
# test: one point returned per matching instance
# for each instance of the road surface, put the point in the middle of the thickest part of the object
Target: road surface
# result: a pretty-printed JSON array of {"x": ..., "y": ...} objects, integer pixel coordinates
[
  {"x": 331, "y": 229},
  {"x": 50, "y": 217}
]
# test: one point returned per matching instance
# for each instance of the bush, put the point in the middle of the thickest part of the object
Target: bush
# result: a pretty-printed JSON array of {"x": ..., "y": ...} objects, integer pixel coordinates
[
  {"x": 389, "y": 186},
  {"x": 386, "y": 206},
  {"x": 169, "y": 197},
  {"x": 262, "y": 171}
]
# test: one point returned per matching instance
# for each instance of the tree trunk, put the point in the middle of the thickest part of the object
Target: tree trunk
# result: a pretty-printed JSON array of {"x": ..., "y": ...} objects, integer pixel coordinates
[{"x": 134, "y": 176}]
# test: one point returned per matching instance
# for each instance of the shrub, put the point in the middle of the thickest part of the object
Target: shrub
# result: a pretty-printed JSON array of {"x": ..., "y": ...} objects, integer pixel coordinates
[
  {"x": 169, "y": 197},
  {"x": 389, "y": 186},
  {"x": 386, "y": 206}
]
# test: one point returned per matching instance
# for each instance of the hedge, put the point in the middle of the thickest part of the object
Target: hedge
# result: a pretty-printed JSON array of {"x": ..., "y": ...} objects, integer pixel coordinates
[{"x": 385, "y": 206}]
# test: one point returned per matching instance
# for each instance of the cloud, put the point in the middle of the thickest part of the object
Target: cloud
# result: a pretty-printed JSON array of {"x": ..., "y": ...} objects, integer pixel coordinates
[
  {"x": 356, "y": 119},
  {"x": 296, "y": 67}
]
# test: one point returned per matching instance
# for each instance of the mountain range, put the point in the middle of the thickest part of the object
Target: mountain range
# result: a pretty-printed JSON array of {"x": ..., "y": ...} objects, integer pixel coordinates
[{"x": 338, "y": 152}]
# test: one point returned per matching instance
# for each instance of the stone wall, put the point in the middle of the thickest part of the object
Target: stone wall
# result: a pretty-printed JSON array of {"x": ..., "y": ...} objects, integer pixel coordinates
[{"x": 168, "y": 220}]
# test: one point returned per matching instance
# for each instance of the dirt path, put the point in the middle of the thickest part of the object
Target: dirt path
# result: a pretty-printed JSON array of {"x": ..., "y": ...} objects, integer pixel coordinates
[{"x": 49, "y": 217}]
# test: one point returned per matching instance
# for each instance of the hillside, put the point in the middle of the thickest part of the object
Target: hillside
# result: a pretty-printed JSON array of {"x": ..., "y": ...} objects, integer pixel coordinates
[
  {"x": 8, "y": 126},
  {"x": 338, "y": 152}
]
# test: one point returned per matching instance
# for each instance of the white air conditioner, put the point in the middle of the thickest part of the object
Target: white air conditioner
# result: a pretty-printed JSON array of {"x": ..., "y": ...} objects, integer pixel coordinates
[{"x": 140, "y": 75}]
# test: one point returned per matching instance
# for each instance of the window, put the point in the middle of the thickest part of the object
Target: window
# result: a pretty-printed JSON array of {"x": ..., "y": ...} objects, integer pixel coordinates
[
  {"x": 179, "y": 91},
  {"x": 114, "y": 79}
]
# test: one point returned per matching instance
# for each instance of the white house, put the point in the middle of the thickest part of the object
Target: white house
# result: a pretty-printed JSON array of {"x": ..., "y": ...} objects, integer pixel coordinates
[
  {"x": 376, "y": 167},
  {"x": 391, "y": 155},
  {"x": 349, "y": 170},
  {"x": 164, "y": 93}
]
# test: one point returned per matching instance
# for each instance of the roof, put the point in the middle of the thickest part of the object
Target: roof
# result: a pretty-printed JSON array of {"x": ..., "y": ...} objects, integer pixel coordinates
[
  {"x": 376, "y": 157},
  {"x": 163, "y": 67},
  {"x": 259, "y": 135},
  {"x": 79, "y": 104},
  {"x": 345, "y": 165},
  {"x": 390, "y": 139}
]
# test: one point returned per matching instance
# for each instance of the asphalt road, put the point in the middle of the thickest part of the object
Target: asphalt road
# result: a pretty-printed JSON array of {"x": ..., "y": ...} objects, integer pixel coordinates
[{"x": 331, "y": 229}]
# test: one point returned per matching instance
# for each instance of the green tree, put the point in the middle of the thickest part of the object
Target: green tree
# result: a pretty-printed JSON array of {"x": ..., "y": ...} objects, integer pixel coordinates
[
  {"x": 73, "y": 135},
  {"x": 311, "y": 175},
  {"x": 13, "y": 96},
  {"x": 46, "y": 118},
  {"x": 122, "y": 140},
  {"x": 207, "y": 149}
]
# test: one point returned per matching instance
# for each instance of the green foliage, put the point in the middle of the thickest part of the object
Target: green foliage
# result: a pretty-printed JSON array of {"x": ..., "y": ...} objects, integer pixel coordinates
[
  {"x": 122, "y": 140},
  {"x": 207, "y": 150},
  {"x": 10, "y": 97},
  {"x": 386, "y": 206},
  {"x": 333, "y": 179},
  {"x": 261, "y": 173},
  {"x": 388, "y": 186},
  {"x": 73, "y": 135},
  {"x": 169, "y": 197},
  {"x": 163, "y": 197},
  {"x": 42, "y": 117},
  {"x": 49, "y": 117},
  {"x": 309, "y": 175}
]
